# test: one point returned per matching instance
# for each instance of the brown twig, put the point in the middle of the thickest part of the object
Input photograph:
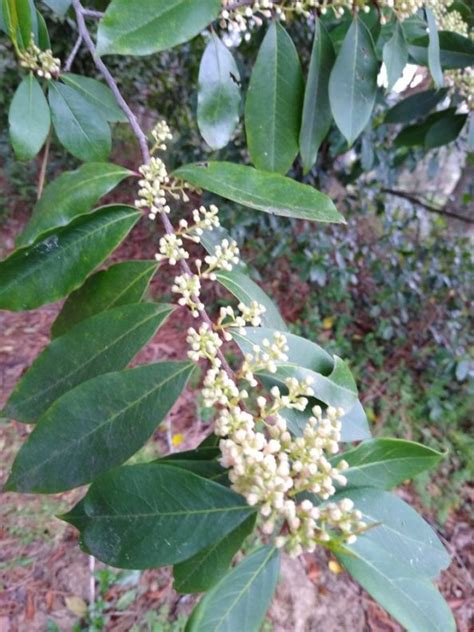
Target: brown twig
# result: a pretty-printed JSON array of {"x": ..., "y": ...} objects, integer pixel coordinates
[
  {"x": 431, "y": 209},
  {"x": 44, "y": 165},
  {"x": 143, "y": 142}
]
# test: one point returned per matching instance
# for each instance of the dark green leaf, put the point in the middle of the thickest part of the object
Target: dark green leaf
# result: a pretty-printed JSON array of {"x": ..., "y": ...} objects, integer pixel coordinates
[
  {"x": 246, "y": 291},
  {"x": 456, "y": 51},
  {"x": 201, "y": 572},
  {"x": 415, "y": 135},
  {"x": 317, "y": 117},
  {"x": 385, "y": 463},
  {"x": 415, "y": 106},
  {"x": 207, "y": 469},
  {"x": 434, "y": 60},
  {"x": 105, "y": 342},
  {"x": 445, "y": 131},
  {"x": 96, "y": 426},
  {"x": 395, "y": 55},
  {"x": 131, "y": 28},
  {"x": 121, "y": 284},
  {"x": 242, "y": 597},
  {"x": 54, "y": 267},
  {"x": 73, "y": 194},
  {"x": 59, "y": 6},
  {"x": 25, "y": 20},
  {"x": 395, "y": 561},
  {"x": 98, "y": 94},
  {"x": 28, "y": 118},
  {"x": 218, "y": 94},
  {"x": 353, "y": 82},
  {"x": 79, "y": 125},
  {"x": 43, "y": 35},
  {"x": 269, "y": 192},
  {"x": 274, "y": 100},
  {"x": 150, "y": 515}
]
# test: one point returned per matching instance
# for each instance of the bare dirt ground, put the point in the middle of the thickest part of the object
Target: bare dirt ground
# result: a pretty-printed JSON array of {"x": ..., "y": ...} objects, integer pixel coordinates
[{"x": 46, "y": 578}]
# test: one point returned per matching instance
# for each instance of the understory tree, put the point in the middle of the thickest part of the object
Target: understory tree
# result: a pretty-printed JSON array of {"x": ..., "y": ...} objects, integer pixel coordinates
[{"x": 290, "y": 456}]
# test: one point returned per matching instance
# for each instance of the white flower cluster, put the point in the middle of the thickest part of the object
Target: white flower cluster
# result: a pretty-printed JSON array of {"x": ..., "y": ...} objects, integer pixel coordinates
[
  {"x": 463, "y": 81},
  {"x": 268, "y": 466},
  {"x": 161, "y": 133},
  {"x": 239, "y": 19},
  {"x": 41, "y": 62},
  {"x": 152, "y": 192}
]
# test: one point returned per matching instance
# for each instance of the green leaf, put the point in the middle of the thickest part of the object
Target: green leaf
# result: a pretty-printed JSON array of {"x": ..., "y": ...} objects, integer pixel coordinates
[
  {"x": 353, "y": 82},
  {"x": 96, "y": 426},
  {"x": 98, "y": 94},
  {"x": 59, "y": 6},
  {"x": 43, "y": 35},
  {"x": 53, "y": 267},
  {"x": 274, "y": 101},
  {"x": 202, "y": 571},
  {"x": 385, "y": 463},
  {"x": 29, "y": 119},
  {"x": 395, "y": 561},
  {"x": 445, "y": 130},
  {"x": 395, "y": 55},
  {"x": 121, "y": 284},
  {"x": 242, "y": 597},
  {"x": 456, "y": 51},
  {"x": 401, "y": 532},
  {"x": 332, "y": 381},
  {"x": 25, "y": 20},
  {"x": 130, "y": 28},
  {"x": 414, "y": 135},
  {"x": 150, "y": 515},
  {"x": 434, "y": 60},
  {"x": 73, "y": 194},
  {"x": 268, "y": 192},
  {"x": 246, "y": 291},
  {"x": 79, "y": 125},
  {"x": 415, "y": 106},
  {"x": 317, "y": 117},
  {"x": 218, "y": 94},
  {"x": 105, "y": 342}
]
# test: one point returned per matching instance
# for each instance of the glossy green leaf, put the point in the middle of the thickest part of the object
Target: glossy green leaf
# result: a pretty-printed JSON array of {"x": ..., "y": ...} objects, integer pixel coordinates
[
  {"x": 268, "y": 192},
  {"x": 202, "y": 571},
  {"x": 385, "y": 463},
  {"x": 150, "y": 515},
  {"x": 55, "y": 266},
  {"x": 242, "y": 597},
  {"x": 434, "y": 59},
  {"x": 415, "y": 135},
  {"x": 395, "y": 55},
  {"x": 246, "y": 291},
  {"x": 59, "y": 6},
  {"x": 43, "y": 35},
  {"x": 131, "y": 28},
  {"x": 29, "y": 119},
  {"x": 332, "y": 381},
  {"x": 400, "y": 532},
  {"x": 98, "y": 94},
  {"x": 79, "y": 125},
  {"x": 415, "y": 106},
  {"x": 445, "y": 131},
  {"x": 396, "y": 560},
  {"x": 121, "y": 284},
  {"x": 105, "y": 342},
  {"x": 456, "y": 51},
  {"x": 25, "y": 19},
  {"x": 317, "y": 117},
  {"x": 73, "y": 194},
  {"x": 218, "y": 94},
  {"x": 96, "y": 426},
  {"x": 274, "y": 101},
  {"x": 353, "y": 81}
]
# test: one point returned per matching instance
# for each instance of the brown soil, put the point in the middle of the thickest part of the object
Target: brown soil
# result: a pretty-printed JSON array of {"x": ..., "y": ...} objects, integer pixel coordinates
[{"x": 46, "y": 577}]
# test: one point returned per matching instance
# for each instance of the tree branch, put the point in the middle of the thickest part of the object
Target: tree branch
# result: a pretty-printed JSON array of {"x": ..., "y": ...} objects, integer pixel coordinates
[
  {"x": 72, "y": 55},
  {"x": 431, "y": 209},
  {"x": 142, "y": 140}
]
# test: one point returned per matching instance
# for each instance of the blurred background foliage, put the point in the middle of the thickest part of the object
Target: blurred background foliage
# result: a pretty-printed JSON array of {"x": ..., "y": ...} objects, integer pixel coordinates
[{"x": 391, "y": 292}]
